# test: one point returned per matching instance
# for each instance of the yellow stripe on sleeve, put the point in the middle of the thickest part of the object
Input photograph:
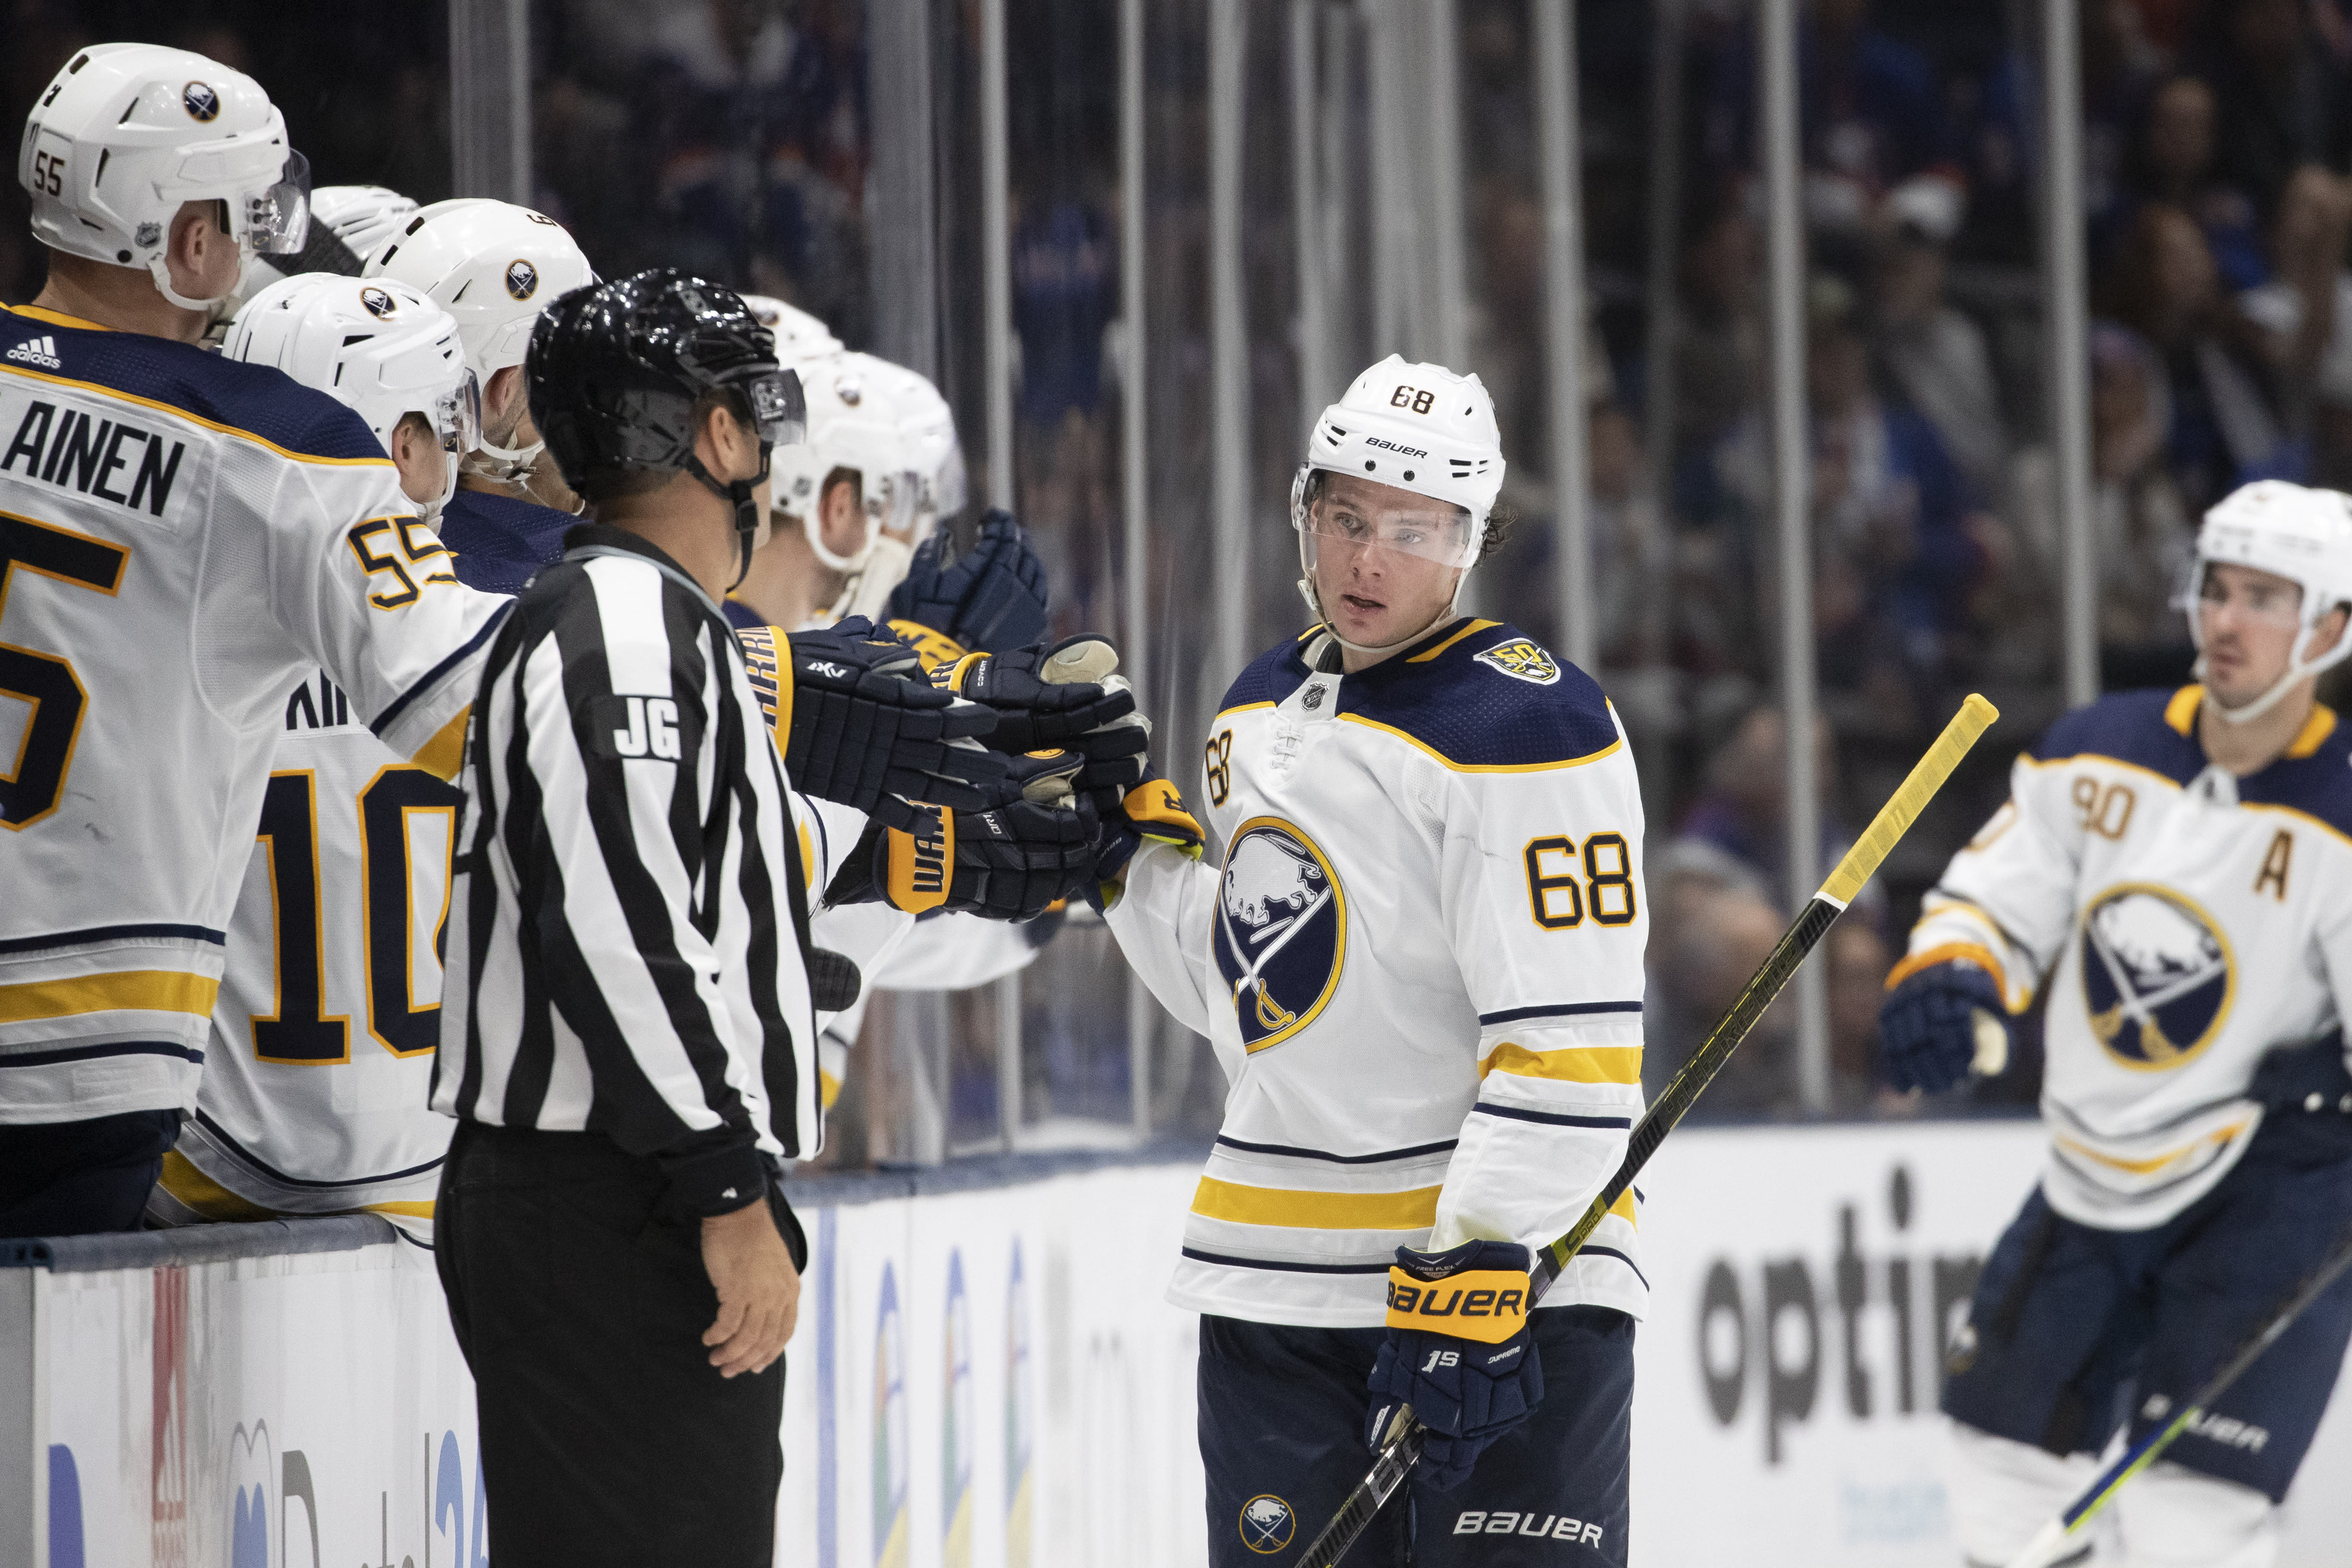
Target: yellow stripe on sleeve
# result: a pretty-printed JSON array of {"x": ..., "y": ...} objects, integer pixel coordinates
[
  {"x": 828, "y": 1088},
  {"x": 1944, "y": 953},
  {"x": 1577, "y": 1064},
  {"x": 445, "y": 753},
  {"x": 127, "y": 991},
  {"x": 1413, "y": 1210}
]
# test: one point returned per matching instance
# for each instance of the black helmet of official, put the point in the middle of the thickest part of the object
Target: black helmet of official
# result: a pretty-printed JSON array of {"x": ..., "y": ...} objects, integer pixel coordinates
[{"x": 615, "y": 370}]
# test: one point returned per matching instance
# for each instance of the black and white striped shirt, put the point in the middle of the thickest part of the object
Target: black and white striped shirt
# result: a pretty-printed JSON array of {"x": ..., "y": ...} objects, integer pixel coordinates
[{"x": 628, "y": 925}]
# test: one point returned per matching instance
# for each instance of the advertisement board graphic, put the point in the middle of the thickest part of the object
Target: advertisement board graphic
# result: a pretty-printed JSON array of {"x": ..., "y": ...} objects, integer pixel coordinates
[
  {"x": 957, "y": 1431},
  {"x": 1020, "y": 1416},
  {"x": 891, "y": 1527}
]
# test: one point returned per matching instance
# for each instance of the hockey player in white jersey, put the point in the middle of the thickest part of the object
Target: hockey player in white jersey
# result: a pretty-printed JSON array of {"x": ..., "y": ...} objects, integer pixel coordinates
[
  {"x": 184, "y": 538},
  {"x": 2175, "y": 868},
  {"x": 1421, "y": 966},
  {"x": 496, "y": 268},
  {"x": 314, "y": 1087}
]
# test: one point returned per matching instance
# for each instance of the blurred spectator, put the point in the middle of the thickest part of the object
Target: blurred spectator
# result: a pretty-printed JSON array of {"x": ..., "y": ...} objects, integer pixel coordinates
[
  {"x": 2225, "y": 427},
  {"x": 1936, "y": 355},
  {"x": 2297, "y": 314},
  {"x": 1871, "y": 113},
  {"x": 1893, "y": 555},
  {"x": 2002, "y": 147},
  {"x": 2173, "y": 160},
  {"x": 2281, "y": 93},
  {"x": 1720, "y": 893},
  {"x": 2143, "y": 534},
  {"x": 1719, "y": 341}
]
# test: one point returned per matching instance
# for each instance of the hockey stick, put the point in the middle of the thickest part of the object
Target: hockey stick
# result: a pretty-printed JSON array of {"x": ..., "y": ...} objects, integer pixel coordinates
[
  {"x": 1401, "y": 1448},
  {"x": 2060, "y": 1536}
]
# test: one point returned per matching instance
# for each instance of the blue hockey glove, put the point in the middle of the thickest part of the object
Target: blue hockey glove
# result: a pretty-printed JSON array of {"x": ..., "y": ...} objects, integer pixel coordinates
[
  {"x": 858, "y": 724},
  {"x": 993, "y": 599},
  {"x": 1926, "y": 1027},
  {"x": 1039, "y": 704},
  {"x": 1152, "y": 811},
  {"x": 1458, "y": 1352},
  {"x": 1015, "y": 862}
]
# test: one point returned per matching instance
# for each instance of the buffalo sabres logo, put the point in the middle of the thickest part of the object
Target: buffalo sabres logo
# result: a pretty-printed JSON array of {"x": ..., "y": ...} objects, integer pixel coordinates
[
  {"x": 1267, "y": 1524},
  {"x": 201, "y": 101},
  {"x": 379, "y": 304},
  {"x": 1522, "y": 661},
  {"x": 1281, "y": 930},
  {"x": 2157, "y": 975},
  {"x": 522, "y": 278}
]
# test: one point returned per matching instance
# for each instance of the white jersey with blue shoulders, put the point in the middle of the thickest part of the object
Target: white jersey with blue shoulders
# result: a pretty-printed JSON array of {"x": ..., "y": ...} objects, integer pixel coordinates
[
  {"x": 183, "y": 540},
  {"x": 1420, "y": 963},
  {"x": 2186, "y": 921}
]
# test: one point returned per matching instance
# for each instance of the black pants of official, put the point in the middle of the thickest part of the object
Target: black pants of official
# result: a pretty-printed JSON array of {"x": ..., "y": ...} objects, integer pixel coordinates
[
  {"x": 607, "y": 1435},
  {"x": 80, "y": 1178}
]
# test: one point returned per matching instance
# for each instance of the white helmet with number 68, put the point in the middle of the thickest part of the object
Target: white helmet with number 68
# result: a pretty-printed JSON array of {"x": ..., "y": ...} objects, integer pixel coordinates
[
  {"x": 2288, "y": 530},
  {"x": 1416, "y": 427},
  {"x": 127, "y": 132}
]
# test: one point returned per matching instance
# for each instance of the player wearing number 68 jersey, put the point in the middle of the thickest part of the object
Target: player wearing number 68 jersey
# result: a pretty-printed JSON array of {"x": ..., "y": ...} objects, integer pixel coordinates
[
  {"x": 1420, "y": 964},
  {"x": 2172, "y": 874}
]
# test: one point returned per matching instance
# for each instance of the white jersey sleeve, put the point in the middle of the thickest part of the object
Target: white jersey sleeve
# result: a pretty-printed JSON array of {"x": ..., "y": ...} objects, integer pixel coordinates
[{"x": 1542, "y": 902}]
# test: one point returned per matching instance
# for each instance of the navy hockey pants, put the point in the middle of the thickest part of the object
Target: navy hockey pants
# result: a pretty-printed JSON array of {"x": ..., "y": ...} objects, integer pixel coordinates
[
  {"x": 2075, "y": 1330},
  {"x": 1282, "y": 1437},
  {"x": 81, "y": 1178}
]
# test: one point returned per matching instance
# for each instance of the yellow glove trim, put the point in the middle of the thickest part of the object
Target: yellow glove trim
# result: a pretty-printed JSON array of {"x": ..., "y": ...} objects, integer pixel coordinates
[
  {"x": 918, "y": 867},
  {"x": 1488, "y": 1305},
  {"x": 934, "y": 647}
]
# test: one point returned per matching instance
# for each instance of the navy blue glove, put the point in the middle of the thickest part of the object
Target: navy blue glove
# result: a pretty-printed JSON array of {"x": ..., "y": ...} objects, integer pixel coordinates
[
  {"x": 1151, "y": 810},
  {"x": 993, "y": 599},
  {"x": 1458, "y": 1352},
  {"x": 1926, "y": 1028}
]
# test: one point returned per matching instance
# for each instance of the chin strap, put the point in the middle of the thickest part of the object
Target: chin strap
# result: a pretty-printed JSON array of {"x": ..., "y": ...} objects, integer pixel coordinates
[
  {"x": 736, "y": 493},
  {"x": 2261, "y": 705},
  {"x": 160, "y": 271}
]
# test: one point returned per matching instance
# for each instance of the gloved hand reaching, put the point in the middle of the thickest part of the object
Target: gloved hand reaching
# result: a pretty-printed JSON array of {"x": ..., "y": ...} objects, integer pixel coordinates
[
  {"x": 1458, "y": 1352},
  {"x": 1152, "y": 811},
  {"x": 858, "y": 725},
  {"x": 1066, "y": 695},
  {"x": 992, "y": 599},
  {"x": 1940, "y": 1021},
  {"x": 1011, "y": 862}
]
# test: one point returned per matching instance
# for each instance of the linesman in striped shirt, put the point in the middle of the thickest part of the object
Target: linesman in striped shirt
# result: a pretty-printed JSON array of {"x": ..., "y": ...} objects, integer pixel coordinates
[{"x": 627, "y": 1022}]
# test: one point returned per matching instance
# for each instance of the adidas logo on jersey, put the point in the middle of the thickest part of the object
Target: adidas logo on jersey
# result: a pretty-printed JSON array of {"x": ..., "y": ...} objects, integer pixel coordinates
[{"x": 40, "y": 351}]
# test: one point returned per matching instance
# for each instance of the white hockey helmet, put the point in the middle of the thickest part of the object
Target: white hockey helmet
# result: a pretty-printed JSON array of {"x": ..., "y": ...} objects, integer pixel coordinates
[
  {"x": 882, "y": 421},
  {"x": 2288, "y": 530},
  {"x": 494, "y": 266},
  {"x": 799, "y": 335},
  {"x": 363, "y": 216},
  {"x": 127, "y": 132},
  {"x": 377, "y": 346},
  {"x": 1415, "y": 427}
]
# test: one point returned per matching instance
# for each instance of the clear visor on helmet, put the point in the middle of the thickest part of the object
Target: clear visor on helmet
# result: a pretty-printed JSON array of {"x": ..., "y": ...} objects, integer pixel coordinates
[
  {"x": 2262, "y": 597},
  {"x": 1375, "y": 519},
  {"x": 891, "y": 501},
  {"x": 777, "y": 407},
  {"x": 277, "y": 216},
  {"x": 457, "y": 415}
]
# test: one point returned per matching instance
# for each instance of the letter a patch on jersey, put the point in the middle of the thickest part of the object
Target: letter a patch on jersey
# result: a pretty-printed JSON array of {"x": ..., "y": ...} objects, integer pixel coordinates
[
  {"x": 2158, "y": 975},
  {"x": 1521, "y": 659},
  {"x": 1281, "y": 930}
]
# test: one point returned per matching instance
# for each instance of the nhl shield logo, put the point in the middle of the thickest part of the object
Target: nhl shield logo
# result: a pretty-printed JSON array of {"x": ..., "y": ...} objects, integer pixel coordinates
[
  {"x": 522, "y": 278},
  {"x": 1281, "y": 930},
  {"x": 1267, "y": 1524},
  {"x": 201, "y": 101},
  {"x": 1521, "y": 659},
  {"x": 2158, "y": 975},
  {"x": 379, "y": 304}
]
